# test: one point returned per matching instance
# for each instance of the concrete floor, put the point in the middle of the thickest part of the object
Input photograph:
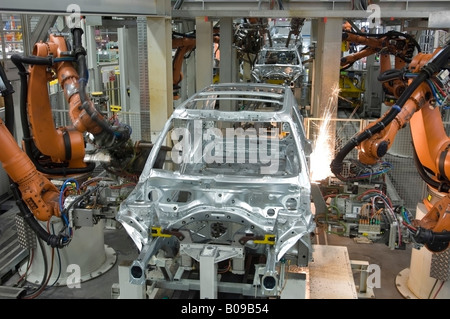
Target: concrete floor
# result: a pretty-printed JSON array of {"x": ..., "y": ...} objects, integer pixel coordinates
[{"x": 391, "y": 263}]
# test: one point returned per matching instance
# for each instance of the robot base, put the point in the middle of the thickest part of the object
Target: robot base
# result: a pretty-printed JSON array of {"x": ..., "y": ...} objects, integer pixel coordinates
[
  {"x": 415, "y": 282},
  {"x": 85, "y": 258}
]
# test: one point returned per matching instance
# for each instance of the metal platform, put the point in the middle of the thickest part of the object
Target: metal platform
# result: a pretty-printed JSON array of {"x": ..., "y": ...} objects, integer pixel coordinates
[{"x": 331, "y": 274}]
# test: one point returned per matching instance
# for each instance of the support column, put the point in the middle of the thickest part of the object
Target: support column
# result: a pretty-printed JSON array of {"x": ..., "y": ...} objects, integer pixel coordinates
[
  {"x": 327, "y": 66},
  {"x": 129, "y": 79},
  {"x": 208, "y": 273},
  {"x": 122, "y": 37},
  {"x": 95, "y": 83},
  {"x": 203, "y": 53},
  {"x": 227, "y": 52},
  {"x": 188, "y": 82},
  {"x": 129, "y": 290},
  {"x": 159, "y": 36}
]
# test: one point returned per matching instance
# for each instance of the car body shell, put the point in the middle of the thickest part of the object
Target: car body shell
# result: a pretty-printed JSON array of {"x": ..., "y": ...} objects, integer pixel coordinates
[{"x": 235, "y": 176}]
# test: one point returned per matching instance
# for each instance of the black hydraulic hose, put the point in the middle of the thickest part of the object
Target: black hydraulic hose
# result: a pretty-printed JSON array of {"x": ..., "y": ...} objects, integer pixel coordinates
[
  {"x": 435, "y": 241},
  {"x": 19, "y": 61},
  {"x": 51, "y": 240},
  {"x": 433, "y": 66},
  {"x": 80, "y": 57},
  {"x": 191, "y": 35},
  {"x": 33, "y": 60},
  {"x": 9, "y": 113},
  {"x": 390, "y": 75},
  {"x": 7, "y": 92}
]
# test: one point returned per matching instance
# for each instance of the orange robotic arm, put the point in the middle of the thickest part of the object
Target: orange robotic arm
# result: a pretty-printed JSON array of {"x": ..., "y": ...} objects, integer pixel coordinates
[
  {"x": 416, "y": 105},
  {"x": 36, "y": 197},
  {"x": 64, "y": 145},
  {"x": 183, "y": 45},
  {"x": 394, "y": 43},
  {"x": 372, "y": 149},
  {"x": 40, "y": 195}
]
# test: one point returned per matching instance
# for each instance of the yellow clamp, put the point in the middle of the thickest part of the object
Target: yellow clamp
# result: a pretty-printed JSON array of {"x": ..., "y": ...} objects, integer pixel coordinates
[
  {"x": 156, "y": 232},
  {"x": 115, "y": 108},
  {"x": 268, "y": 239}
]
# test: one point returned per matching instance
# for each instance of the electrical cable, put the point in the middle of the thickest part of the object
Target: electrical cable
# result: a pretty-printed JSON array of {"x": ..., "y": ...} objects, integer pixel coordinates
[
  {"x": 44, "y": 279},
  {"x": 79, "y": 199},
  {"x": 432, "y": 288},
  {"x": 59, "y": 261},
  {"x": 433, "y": 90},
  {"x": 24, "y": 275},
  {"x": 440, "y": 287}
]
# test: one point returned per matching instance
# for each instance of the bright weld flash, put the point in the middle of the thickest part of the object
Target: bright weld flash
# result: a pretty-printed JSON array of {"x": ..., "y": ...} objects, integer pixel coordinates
[{"x": 322, "y": 153}]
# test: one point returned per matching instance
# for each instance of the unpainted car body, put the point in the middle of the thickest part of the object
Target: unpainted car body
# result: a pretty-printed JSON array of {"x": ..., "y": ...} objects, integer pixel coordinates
[
  {"x": 279, "y": 65},
  {"x": 235, "y": 179}
]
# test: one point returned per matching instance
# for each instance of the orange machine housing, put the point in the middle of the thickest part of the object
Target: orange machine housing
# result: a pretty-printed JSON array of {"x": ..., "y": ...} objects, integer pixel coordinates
[{"x": 40, "y": 195}]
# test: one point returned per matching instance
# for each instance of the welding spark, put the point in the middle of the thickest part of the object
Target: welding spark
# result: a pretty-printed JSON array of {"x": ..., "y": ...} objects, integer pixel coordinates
[{"x": 322, "y": 153}]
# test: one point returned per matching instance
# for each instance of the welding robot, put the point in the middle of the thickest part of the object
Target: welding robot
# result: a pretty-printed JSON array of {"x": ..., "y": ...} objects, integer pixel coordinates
[
  {"x": 401, "y": 46},
  {"x": 426, "y": 87},
  {"x": 59, "y": 196}
]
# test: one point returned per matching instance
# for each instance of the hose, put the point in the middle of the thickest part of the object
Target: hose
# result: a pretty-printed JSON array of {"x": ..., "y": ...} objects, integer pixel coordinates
[
  {"x": 7, "y": 92},
  {"x": 42, "y": 285},
  {"x": 390, "y": 75},
  {"x": 434, "y": 241},
  {"x": 9, "y": 113},
  {"x": 80, "y": 57},
  {"x": 433, "y": 66}
]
